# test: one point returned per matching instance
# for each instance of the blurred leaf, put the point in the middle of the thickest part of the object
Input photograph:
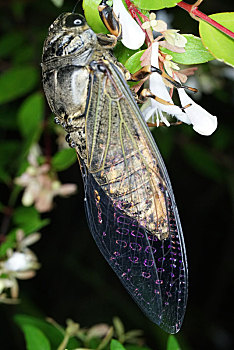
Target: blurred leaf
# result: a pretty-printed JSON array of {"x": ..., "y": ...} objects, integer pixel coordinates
[
  {"x": 9, "y": 43},
  {"x": 7, "y": 117},
  {"x": 195, "y": 52},
  {"x": 28, "y": 219},
  {"x": 4, "y": 176},
  {"x": 202, "y": 161},
  {"x": 222, "y": 138},
  {"x": 154, "y": 5},
  {"x": 23, "y": 54},
  {"x": 119, "y": 328},
  {"x": 30, "y": 116},
  {"x": 172, "y": 343},
  {"x": 58, "y": 3},
  {"x": 9, "y": 151},
  {"x": 218, "y": 43},
  {"x": 8, "y": 243},
  {"x": 116, "y": 345},
  {"x": 64, "y": 159},
  {"x": 136, "y": 347},
  {"x": 54, "y": 335},
  {"x": 16, "y": 82},
  {"x": 35, "y": 339}
]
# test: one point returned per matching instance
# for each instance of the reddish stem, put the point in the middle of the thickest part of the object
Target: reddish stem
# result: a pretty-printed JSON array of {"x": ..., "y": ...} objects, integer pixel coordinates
[{"x": 193, "y": 10}]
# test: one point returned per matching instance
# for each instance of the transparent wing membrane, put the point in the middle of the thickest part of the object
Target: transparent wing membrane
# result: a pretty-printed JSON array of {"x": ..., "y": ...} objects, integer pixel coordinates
[
  {"x": 151, "y": 270},
  {"x": 129, "y": 202}
]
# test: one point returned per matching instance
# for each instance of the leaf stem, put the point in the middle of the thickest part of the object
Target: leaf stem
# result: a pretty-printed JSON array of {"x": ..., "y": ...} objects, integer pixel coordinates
[{"x": 198, "y": 15}]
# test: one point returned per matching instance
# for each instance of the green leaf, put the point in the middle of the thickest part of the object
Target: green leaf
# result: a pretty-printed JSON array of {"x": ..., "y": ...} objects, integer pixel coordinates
[
  {"x": 154, "y": 4},
  {"x": 58, "y": 3},
  {"x": 218, "y": 43},
  {"x": 54, "y": 335},
  {"x": 7, "y": 117},
  {"x": 172, "y": 343},
  {"x": 136, "y": 347},
  {"x": 24, "y": 55},
  {"x": 30, "y": 116},
  {"x": 92, "y": 16},
  {"x": 122, "y": 53},
  {"x": 133, "y": 64},
  {"x": 116, "y": 345},
  {"x": 195, "y": 52},
  {"x": 8, "y": 151},
  {"x": 64, "y": 159},
  {"x": 16, "y": 82},
  {"x": 7, "y": 244},
  {"x": 35, "y": 339},
  {"x": 9, "y": 43},
  {"x": 28, "y": 219}
]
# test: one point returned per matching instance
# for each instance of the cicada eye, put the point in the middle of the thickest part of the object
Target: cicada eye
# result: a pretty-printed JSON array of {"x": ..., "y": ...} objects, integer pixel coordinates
[{"x": 74, "y": 21}]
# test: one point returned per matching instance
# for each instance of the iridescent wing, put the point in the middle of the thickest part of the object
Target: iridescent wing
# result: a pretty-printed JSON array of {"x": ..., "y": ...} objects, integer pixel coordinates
[{"x": 129, "y": 201}]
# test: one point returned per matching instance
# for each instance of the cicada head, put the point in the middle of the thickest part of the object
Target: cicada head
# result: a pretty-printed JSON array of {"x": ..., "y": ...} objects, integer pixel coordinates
[
  {"x": 68, "y": 35},
  {"x": 69, "y": 22}
]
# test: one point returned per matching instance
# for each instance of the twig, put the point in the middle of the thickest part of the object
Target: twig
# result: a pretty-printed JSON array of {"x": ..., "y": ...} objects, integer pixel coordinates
[{"x": 198, "y": 15}]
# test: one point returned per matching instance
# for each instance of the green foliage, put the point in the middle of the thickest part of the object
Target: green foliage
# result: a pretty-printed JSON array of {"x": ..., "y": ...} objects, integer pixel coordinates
[
  {"x": 64, "y": 159},
  {"x": 92, "y": 16},
  {"x": 218, "y": 43},
  {"x": 30, "y": 116},
  {"x": 172, "y": 343},
  {"x": 122, "y": 53},
  {"x": 9, "y": 43},
  {"x": 28, "y": 219},
  {"x": 35, "y": 339},
  {"x": 116, "y": 345},
  {"x": 195, "y": 52},
  {"x": 17, "y": 82},
  {"x": 58, "y": 3},
  {"x": 53, "y": 335},
  {"x": 133, "y": 64},
  {"x": 154, "y": 5},
  {"x": 73, "y": 337}
]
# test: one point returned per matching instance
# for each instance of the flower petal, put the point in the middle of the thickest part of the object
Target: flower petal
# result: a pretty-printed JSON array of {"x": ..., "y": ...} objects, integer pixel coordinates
[
  {"x": 203, "y": 122},
  {"x": 158, "y": 87},
  {"x": 17, "y": 262},
  {"x": 133, "y": 36}
]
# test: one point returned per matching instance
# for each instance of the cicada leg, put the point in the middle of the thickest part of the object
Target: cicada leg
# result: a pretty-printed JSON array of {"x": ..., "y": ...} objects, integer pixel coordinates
[
  {"x": 110, "y": 20},
  {"x": 144, "y": 72}
]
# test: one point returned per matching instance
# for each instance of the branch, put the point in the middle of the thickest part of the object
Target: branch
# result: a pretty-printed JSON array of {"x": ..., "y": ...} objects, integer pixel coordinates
[{"x": 198, "y": 15}]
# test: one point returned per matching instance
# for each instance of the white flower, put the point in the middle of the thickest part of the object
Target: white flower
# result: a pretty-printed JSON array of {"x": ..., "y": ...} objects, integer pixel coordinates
[
  {"x": 133, "y": 36},
  {"x": 18, "y": 262},
  {"x": 41, "y": 186},
  {"x": 157, "y": 25},
  {"x": 203, "y": 122},
  {"x": 174, "y": 38}
]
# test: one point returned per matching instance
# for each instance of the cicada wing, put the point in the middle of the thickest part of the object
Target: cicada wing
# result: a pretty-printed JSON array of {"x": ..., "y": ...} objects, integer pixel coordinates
[
  {"x": 130, "y": 205},
  {"x": 151, "y": 270}
]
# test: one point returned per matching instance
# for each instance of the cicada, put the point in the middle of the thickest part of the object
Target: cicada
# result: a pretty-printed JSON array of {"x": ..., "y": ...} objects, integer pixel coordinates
[{"x": 129, "y": 202}]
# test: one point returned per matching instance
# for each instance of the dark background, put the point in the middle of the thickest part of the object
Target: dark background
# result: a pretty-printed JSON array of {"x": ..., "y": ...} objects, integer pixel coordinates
[{"x": 75, "y": 281}]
